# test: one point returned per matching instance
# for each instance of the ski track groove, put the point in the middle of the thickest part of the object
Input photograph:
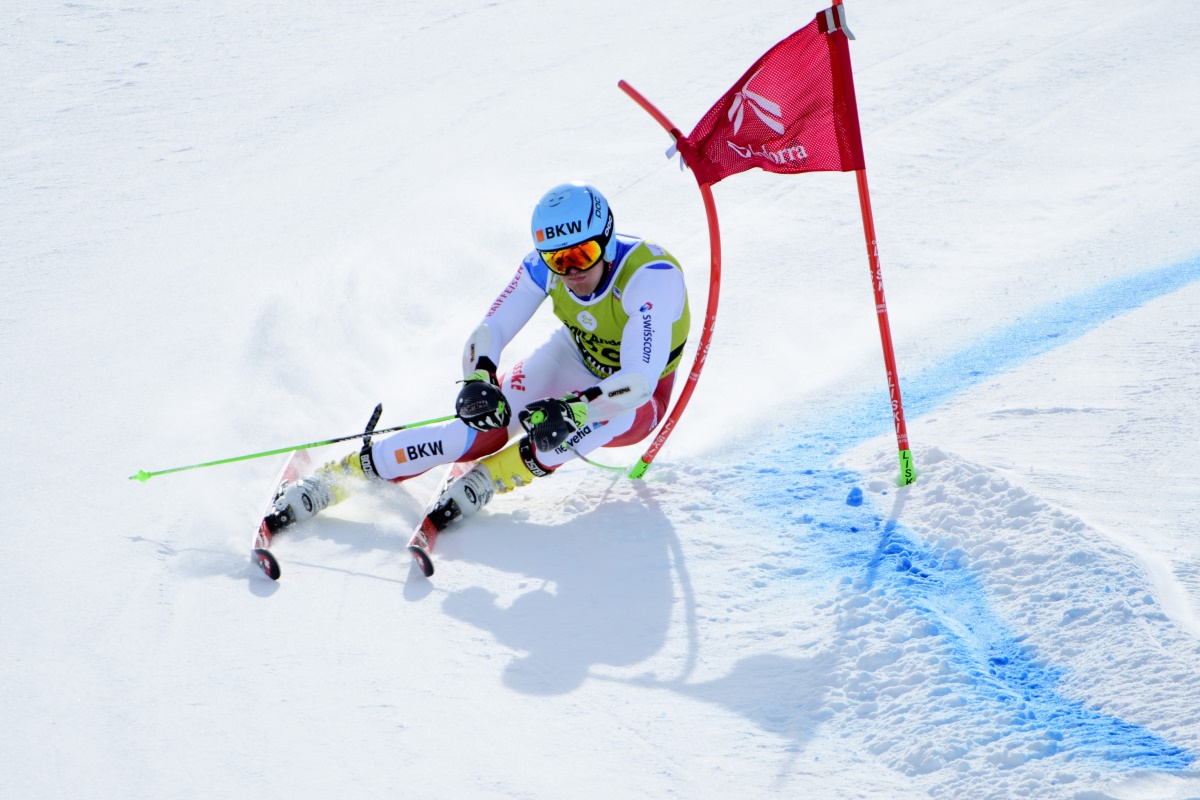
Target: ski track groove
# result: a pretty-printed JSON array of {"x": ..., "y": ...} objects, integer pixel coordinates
[{"x": 964, "y": 89}]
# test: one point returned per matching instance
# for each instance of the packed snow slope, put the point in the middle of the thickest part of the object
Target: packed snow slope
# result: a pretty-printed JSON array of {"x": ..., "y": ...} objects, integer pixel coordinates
[{"x": 227, "y": 227}]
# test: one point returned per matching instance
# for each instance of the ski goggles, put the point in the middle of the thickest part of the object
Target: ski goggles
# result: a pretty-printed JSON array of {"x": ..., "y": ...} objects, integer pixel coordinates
[{"x": 582, "y": 256}]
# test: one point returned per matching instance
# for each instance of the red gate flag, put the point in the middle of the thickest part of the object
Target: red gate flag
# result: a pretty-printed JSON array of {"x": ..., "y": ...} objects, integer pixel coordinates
[{"x": 793, "y": 111}]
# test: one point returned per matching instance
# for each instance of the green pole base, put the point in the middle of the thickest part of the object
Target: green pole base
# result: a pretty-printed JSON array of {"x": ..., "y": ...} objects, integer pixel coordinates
[
  {"x": 908, "y": 473},
  {"x": 638, "y": 470}
]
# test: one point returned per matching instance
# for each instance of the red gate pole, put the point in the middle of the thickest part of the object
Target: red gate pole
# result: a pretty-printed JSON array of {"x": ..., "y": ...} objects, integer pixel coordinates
[
  {"x": 714, "y": 293},
  {"x": 907, "y": 473}
]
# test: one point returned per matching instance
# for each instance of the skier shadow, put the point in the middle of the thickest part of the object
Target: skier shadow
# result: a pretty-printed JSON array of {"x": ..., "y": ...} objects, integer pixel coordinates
[
  {"x": 601, "y": 591},
  {"x": 598, "y": 590},
  {"x": 783, "y": 695}
]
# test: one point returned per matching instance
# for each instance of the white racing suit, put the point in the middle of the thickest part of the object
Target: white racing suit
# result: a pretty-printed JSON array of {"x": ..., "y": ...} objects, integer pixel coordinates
[{"x": 631, "y": 361}]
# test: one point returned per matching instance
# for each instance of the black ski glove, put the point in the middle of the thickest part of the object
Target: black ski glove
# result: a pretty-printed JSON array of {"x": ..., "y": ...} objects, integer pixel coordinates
[
  {"x": 481, "y": 404},
  {"x": 550, "y": 422}
]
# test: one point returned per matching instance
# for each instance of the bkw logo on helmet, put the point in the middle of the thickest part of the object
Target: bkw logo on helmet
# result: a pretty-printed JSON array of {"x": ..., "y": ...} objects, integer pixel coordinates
[{"x": 559, "y": 231}]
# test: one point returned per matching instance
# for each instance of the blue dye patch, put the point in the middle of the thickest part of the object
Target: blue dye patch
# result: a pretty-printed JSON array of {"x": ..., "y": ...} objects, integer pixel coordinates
[
  {"x": 1004, "y": 675},
  {"x": 1001, "y": 676}
]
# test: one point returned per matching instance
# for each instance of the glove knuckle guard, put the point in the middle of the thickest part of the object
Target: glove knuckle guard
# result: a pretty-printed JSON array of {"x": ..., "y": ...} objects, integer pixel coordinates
[
  {"x": 548, "y": 423},
  {"x": 482, "y": 406}
]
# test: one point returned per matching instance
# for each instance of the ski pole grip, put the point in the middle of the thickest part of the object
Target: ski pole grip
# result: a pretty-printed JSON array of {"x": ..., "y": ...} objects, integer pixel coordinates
[{"x": 371, "y": 424}]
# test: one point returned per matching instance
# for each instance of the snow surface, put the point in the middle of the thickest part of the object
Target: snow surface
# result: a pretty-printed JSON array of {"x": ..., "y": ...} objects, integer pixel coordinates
[{"x": 228, "y": 226}]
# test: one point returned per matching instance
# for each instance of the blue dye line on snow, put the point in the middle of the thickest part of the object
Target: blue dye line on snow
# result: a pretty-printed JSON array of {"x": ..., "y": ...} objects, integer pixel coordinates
[
  {"x": 824, "y": 513},
  {"x": 1041, "y": 331}
]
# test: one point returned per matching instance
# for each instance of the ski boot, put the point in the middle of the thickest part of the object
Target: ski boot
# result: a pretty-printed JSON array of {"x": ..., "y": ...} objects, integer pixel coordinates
[
  {"x": 303, "y": 499},
  {"x": 469, "y": 492},
  {"x": 499, "y": 473}
]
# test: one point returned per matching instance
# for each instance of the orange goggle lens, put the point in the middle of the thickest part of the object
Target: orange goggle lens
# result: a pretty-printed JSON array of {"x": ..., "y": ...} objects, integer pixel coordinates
[{"x": 582, "y": 256}]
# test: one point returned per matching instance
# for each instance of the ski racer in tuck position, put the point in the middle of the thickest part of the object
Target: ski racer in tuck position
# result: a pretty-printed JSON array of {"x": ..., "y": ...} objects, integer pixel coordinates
[{"x": 602, "y": 380}]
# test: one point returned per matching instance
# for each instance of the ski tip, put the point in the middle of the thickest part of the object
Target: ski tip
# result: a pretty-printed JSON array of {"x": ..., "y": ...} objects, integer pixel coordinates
[
  {"x": 423, "y": 560},
  {"x": 266, "y": 562}
]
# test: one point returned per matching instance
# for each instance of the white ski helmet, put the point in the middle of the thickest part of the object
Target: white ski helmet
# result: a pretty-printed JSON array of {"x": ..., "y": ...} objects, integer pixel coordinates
[{"x": 571, "y": 215}]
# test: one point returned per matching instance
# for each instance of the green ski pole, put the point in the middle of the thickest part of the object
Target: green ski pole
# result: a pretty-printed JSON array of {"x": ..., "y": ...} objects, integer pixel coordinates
[{"x": 144, "y": 476}]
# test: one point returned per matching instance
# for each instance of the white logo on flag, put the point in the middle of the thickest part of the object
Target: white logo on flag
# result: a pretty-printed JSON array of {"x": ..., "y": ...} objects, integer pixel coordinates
[
  {"x": 787, "y": 155},
  {"x": 758, "y": 104}
]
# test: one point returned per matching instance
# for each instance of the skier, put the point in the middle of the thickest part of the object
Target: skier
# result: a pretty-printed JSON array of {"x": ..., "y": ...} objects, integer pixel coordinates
[{"x": 602, "y": 380}]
